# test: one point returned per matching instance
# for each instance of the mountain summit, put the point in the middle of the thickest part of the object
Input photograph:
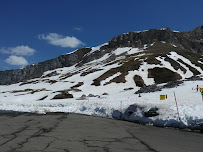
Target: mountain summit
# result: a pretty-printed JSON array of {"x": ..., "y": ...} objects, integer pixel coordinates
[{"x": 149, "y": 57}]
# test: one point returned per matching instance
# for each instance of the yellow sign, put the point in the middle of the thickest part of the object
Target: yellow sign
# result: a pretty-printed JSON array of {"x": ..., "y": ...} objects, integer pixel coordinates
[
  {"x": 162, "y": 97},
  {"x": 201, "y": 89}
]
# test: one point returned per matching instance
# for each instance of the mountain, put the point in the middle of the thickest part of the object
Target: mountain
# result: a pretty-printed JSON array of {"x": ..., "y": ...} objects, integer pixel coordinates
[
  {"x": 131, "y": 51},
  {"x": 123, "y": 78}
]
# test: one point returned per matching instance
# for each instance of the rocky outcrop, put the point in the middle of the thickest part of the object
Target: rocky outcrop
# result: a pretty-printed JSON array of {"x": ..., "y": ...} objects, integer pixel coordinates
[
  {"x": 155, "y": 88},
  {"x": 191, "y": 41}
]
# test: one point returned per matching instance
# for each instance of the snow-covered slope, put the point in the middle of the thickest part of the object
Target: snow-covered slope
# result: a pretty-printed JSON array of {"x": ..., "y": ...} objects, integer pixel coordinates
[{"x": 105, "y": 80}]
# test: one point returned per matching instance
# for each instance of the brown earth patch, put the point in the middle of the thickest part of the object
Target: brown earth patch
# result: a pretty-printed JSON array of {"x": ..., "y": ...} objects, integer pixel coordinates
[
  {"x": 129, "y": 65},
  {"x": 175, "y": 64},
  {"x": 139, "y": 81},
  {"x": 193, "y": 70},
  {"x": 43, "y": 98},
  {"x": 67, "y": 75},
  {"x": 63, "y": 95},
  {"x": 89, "y": 72},
  {"x": 77, "y": 85},
  {"x": 163, "y": 75}
]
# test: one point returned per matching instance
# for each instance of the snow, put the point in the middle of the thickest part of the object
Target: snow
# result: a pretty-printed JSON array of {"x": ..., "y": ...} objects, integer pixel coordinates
[
  {"x": 120, "y": 96},
  {"x": 174, "y": 45},
  {"x": 200, "y": 62},
  {"x": 170, "y": 67},
  {"x": 97, "y": 48},
  {"x": 110, "y": 78},
  {"x": 129, "y": 50},
  {"x": 162, "y": 29},
  {"x": 119, "y": 51},
  {"x": 190, "y": 103},
  {"x": 71, "y": 52},
  {"x": 152, "y": 44},
  {"x": 103, "y": 58},
  {"x": 176, "y": 31},
  {"x": 176, "y": 56},
  {"x": 145, "y": 46},
  {"x": 134, "y": 50},
  {"x": 141, "y": 31}
]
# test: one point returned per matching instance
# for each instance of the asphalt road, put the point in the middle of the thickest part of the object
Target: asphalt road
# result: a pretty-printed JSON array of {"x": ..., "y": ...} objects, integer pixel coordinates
[{"x": 62, "y": 132}]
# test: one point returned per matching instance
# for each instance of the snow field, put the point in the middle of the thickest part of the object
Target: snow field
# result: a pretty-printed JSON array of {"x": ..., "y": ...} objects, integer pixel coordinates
[{"x": 120, "y": 97}]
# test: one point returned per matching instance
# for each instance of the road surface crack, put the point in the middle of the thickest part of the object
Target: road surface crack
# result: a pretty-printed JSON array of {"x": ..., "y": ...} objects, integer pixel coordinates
[
  {"x": 15, "y": 135},
  {"x": 144, "y": 143},
  {"x": 38, "y": 134}
]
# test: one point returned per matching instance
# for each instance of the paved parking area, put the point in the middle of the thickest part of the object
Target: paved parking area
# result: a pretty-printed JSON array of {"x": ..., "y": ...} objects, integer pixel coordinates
[{"x": 63, "y": 132}]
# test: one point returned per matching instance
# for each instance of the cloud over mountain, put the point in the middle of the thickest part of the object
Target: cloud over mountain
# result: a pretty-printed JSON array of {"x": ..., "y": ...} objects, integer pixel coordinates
[
  {"x": 19, "y": 50},
  {"x": 60, "y": 40},
  {"x": 16, "y": 60}
]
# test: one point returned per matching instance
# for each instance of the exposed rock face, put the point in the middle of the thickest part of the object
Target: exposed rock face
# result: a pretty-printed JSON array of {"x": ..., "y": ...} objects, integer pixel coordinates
[
  {"x": 191, "y": 41},
  {"x": 197, "y": 33},
  {"x": 34, "y": 71}
]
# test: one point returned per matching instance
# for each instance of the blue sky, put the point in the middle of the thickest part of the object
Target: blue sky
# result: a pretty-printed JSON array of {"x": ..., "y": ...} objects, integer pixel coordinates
[{"x": 33, "y": 31}]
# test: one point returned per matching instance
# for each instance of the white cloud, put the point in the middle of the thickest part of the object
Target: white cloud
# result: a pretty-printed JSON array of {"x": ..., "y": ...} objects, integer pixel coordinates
[
  {"x": 16, "y": 60},
  {"x": 77, "y": 29},
  {"x": 19, "y": 50},
  {"x": 60, "y": 40}
]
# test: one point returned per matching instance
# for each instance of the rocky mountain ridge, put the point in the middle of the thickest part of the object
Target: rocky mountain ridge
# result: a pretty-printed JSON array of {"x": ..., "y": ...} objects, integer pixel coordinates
[{"x": 156, "y": 43}]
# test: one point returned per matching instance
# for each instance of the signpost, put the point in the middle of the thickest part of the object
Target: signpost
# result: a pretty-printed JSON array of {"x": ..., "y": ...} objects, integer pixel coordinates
[{"x": 176, "y": 105}]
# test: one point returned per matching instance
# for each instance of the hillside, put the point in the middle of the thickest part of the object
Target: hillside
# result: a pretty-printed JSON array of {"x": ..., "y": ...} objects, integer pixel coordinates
[
  {"x": 108, "y": 78},
  {"x": 131, "y": 50}
]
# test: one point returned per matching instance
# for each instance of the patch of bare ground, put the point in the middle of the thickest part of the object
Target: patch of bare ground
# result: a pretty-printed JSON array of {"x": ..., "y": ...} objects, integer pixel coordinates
[
  {"x": 89, "y": 72},
  {"x": 193, "y": 57},
  {"x": 193, "y": 70},
  {"x": 126, "y": 66},
  {"x": 65, "y": 76},
  {"x": 163, "y": 75},
  {"x": 175, "y": 64},
  {"x": 63, "y": 95},
  {"x": 139, "y": 81},
  {"x": 29, "y": 82},
  {"x": 54, "y": 73},
  {"x": 43, "y": 98},
  {"x": 28, "y": 91}
]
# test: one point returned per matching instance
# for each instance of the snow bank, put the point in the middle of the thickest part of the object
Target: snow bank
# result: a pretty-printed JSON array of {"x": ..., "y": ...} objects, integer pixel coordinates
[{"x": 124, "y": 103}]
